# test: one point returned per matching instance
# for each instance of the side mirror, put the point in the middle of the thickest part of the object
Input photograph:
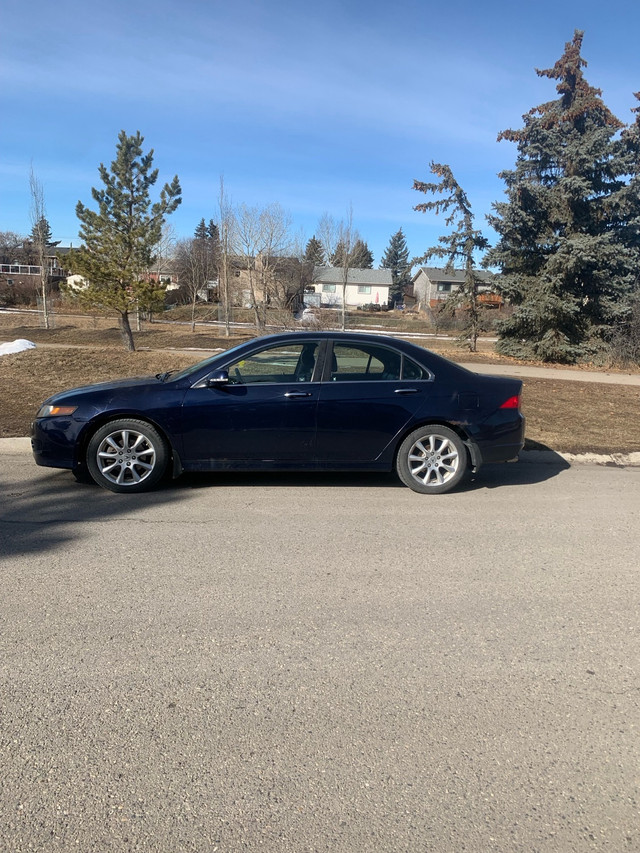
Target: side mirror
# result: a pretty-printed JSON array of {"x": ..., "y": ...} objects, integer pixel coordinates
[{"x": 219, "y": 377}]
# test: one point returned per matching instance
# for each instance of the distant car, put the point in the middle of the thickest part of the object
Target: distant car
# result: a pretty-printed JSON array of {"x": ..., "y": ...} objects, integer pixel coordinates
[
  {"x": 306, "y": 401},
  {"x": 307, "y": 315}
]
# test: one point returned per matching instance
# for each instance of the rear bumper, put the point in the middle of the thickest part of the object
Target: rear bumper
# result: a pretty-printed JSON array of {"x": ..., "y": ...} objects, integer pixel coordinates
[{"x": 505, "y": 444}]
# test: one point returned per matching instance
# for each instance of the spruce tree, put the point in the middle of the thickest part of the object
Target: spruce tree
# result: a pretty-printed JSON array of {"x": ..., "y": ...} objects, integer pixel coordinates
[
  {"x": 559, "y": 247},
  {"x": 459, "y": 247},
  {"x": 200, "y": 232},
  {"x": 206, "y": 242},
  {"x": 626, "y": 203},
  {"x": 41, "y": 233},
  {"x": 625, "y": 336},
  {"x": 396, "y": 259},
  {"x": 118, "y": 239},
  {"x": 314, "y": 252},
  {"x": 339, "y": 255},
  {"x": 213, "y": 235},
  {"x": 361, "y": 256}
]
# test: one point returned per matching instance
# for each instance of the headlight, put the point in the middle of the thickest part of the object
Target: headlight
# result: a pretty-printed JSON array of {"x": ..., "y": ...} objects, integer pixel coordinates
[{"x": 55, "y": 411}]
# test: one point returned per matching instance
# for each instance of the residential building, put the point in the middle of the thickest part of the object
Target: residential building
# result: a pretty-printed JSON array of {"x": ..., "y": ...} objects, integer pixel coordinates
[
  {"x": 19, "y": 276},
  {"x": 363, "y": 287},
  {"x": 432, "y": 285}
]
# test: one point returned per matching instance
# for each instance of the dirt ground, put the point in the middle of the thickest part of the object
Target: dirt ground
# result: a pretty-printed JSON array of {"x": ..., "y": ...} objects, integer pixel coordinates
[{"x": 565, "y": 416}]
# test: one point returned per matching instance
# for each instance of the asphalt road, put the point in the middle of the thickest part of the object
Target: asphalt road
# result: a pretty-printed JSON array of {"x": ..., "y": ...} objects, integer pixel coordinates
[{"x": 326, "y": 663}]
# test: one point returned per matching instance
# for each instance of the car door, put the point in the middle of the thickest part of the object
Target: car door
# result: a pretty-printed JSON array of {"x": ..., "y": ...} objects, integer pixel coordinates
[
  {"x": 365, "y": 401},
  {"x": 265, "y": 412}
]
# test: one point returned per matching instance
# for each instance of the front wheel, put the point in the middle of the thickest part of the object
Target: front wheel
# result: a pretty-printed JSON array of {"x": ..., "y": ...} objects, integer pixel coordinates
[
  {"x": 127, "y": 456},
  {"x": 432, "y": 460}
]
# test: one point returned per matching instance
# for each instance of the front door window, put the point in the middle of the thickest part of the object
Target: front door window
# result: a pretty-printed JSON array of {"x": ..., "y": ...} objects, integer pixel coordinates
[{"x": 282, "y": 364}]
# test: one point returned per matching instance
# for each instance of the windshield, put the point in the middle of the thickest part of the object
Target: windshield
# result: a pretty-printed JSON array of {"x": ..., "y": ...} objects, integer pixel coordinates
[{"x": 208, "y": 362}]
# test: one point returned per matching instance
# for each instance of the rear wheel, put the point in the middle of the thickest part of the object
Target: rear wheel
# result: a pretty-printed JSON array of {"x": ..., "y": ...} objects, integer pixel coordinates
[
  {"x": 127, "y": 456},
  {"x": 432, "y": 460}
]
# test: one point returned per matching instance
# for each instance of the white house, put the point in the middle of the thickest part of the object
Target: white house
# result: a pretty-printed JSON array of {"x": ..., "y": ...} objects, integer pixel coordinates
[{"x": 363, "y": 286}]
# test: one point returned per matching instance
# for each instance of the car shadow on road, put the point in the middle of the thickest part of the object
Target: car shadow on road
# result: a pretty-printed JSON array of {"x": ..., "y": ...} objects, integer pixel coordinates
[
  {"x": 294, "y": 479},
  {"x": 45, "y": 511},
  {"x": 489, "y": 476},
  {"x": 501, "y": 474}
]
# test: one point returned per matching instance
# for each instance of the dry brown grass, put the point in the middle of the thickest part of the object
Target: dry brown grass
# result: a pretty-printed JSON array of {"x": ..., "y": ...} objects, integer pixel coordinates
[
  {"x": 162, "y": 336},
  {"x": 569, "y": 416},
  {"x": 581, "y": 417},
  {"x": 27, "y": 378}
]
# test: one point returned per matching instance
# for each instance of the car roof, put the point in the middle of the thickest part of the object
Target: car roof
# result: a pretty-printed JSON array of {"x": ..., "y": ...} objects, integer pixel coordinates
[
  {"x": 336, "y": 335},
  {"x": 426, "y": 356}
]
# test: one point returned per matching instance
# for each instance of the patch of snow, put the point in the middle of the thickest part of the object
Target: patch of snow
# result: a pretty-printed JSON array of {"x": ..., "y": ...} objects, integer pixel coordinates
[{"x": 16, "y": 346}]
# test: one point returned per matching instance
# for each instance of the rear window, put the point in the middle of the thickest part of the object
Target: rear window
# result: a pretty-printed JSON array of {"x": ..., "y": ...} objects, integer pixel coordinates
[{"x": 411, "y": 370}]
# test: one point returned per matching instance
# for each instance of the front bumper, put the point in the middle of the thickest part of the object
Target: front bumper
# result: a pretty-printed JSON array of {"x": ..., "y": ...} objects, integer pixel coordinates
[{"x": 54, "y": 441}]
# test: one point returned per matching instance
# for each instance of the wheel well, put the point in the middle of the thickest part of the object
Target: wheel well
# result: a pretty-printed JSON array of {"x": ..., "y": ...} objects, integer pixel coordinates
[
  {"x": 473, "y": 457},
  {"x": 101, "y": 420}
]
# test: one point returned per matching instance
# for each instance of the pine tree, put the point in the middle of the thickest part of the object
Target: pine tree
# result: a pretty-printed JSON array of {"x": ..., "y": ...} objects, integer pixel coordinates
[
  {"x": 396, "y": 259},
  {"x": 459, "y": 247},
  {"x": 119, "y": 238},
  {"x": 559, "y": 247},
  {"x": 314, "y": 253}
]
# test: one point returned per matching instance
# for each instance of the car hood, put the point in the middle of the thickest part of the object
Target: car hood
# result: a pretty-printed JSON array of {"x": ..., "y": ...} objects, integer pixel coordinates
[{"x": 85, "y": 391}]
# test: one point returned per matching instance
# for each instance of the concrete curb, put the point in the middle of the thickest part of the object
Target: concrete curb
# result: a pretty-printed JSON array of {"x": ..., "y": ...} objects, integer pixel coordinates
[
  {"x": 12, "y": 446},
  {"x": 551, "y": 457},
  {"x": 15, "y": 445}
]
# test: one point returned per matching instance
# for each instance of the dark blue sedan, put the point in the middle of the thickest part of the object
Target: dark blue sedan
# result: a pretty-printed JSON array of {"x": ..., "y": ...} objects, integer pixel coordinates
[{"x": 296, "y": 402}]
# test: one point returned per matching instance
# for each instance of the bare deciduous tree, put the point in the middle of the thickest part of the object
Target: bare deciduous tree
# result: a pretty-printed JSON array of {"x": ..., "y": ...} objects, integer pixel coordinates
[
  {"x": 276, "y": 247},
  {"x": 327, "y": 232},
  {"x": 338, "y": 240},
  {"x": 226, "y": 230},
  {"x": 164, "y": 250},
  {"x": 264, "y": 244},
  {"x": 248, "y": 246},
  {"x": 347, "y": 240},
  {"x": 37, "y": 215},
  {"x": 10, "y": 243}
]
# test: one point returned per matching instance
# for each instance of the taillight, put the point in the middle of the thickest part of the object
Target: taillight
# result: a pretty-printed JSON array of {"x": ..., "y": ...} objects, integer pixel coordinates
[{"x": 511, "y": 403}]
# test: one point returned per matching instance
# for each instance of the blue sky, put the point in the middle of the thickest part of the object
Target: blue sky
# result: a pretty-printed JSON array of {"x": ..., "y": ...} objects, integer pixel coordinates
[{"x": 317, "y": 106}]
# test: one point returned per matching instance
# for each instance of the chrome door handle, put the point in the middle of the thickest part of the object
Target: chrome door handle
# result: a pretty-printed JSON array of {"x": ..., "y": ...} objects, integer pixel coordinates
[
  {"x": 298, "y": 394},
  {"x": 406, "y": 391}
]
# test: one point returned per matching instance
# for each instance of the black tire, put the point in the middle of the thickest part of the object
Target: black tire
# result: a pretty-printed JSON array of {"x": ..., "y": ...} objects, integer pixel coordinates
[
  {"x": 82, "y": 475},
  {"x": 432, "y": 460},
  {"x": 127, "y": 456}
]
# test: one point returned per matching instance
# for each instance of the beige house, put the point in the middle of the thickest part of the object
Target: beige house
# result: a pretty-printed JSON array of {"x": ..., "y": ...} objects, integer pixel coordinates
[
  {"x": 432, "y": 285},
  {"x": 363, "y": 287}
]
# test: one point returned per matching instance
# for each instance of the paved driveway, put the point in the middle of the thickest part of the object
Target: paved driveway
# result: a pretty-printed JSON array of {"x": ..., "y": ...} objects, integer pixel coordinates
[{"x": 320, "y": 663}]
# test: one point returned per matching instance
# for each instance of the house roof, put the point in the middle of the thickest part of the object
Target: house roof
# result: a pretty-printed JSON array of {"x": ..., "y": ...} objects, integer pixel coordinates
[
  {"x": 334, "y": 275},
  {"x": 454, "y": 276}
]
